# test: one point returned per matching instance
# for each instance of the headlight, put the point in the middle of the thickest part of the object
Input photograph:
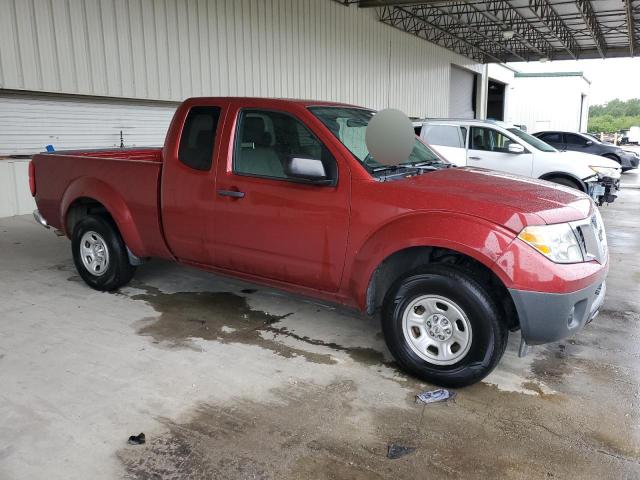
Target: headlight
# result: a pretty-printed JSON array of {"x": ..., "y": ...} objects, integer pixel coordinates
[
  {"x": 556, "y": 242},
  {"x": 606, "y": 171}
]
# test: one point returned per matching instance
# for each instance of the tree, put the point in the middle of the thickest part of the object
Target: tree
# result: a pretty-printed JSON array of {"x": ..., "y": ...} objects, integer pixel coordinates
[{"x": 614, "y": 115}]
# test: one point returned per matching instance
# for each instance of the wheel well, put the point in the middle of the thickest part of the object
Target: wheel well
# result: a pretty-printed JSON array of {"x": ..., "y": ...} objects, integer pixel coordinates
[
  {"x": 410, "y": 259},
  {"x": 612, "y": 156},
  {"x": 579, "y": 183},
  {"x": 81, "y": 208}
]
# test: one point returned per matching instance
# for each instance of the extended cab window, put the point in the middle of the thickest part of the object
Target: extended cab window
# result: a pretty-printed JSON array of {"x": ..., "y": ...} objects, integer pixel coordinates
[
  {"x": 444, "y": 135},
  {"x": 489, "y": 139},
  {"x": 266, "y": 139},
  {"x": 198, "y": 137}
]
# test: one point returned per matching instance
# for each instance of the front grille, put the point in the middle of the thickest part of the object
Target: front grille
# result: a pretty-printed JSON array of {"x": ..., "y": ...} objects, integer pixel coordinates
[
  {"x": 581, "y": 239},
  {"x": 591, "y": 237}
]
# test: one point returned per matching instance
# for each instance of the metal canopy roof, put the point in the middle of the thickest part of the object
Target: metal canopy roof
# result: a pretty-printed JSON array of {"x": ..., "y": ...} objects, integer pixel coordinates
[{"x": 518, "y": 30}]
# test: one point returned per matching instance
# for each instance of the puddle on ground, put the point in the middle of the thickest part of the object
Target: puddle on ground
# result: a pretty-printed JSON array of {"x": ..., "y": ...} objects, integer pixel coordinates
[
  {"x": 227, "y": 317},
  {"x": 626, "y": 316},
  {"x": 220, "y": 316},
  {"x": 368, "y": 356},
  {"x": 559, "y": 362},
  {"x": 330, "y": 432}
]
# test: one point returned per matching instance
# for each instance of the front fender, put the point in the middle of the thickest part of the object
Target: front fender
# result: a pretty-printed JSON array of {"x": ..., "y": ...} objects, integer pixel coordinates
[
  {"x": 472, "y": 236},
  {"x": 570, "y": 176},
  {"x": 87, "y": 187}
]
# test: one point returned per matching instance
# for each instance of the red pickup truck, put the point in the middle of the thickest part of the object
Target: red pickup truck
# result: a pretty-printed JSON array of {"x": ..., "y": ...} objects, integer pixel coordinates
[{"x": 285, "y": 193}]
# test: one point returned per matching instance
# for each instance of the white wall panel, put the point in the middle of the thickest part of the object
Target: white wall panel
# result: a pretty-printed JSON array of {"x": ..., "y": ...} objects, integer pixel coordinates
[
  {"x": 173, "y": 49},
  {"x": 557, "y": 109},
  {"x": 29, "y": 122},
  {"x": 15, "y": 196}
]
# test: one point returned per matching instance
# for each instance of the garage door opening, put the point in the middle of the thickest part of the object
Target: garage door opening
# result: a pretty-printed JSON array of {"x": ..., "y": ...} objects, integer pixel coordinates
[
  {"x": 495, "y": 100},
  {"x": 462, "y": 93}
]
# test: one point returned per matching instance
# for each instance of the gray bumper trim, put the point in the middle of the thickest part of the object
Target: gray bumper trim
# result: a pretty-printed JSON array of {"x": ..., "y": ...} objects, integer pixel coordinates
[
  {"x": 629, "y": 161},
  {"x": 548, "y": 317}
]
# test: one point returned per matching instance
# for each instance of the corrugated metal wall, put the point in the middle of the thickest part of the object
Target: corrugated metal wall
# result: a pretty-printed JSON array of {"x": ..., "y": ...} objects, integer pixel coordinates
[{"x": 173, "y": 49}]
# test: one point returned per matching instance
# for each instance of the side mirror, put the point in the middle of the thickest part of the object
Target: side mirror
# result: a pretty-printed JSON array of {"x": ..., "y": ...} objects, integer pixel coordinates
[
  {"x": 515, "y": 148},
  {"x": 308, "y": 169}
]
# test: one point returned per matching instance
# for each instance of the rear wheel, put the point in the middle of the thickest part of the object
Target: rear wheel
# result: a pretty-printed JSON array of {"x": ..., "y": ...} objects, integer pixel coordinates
[
  {"x": 99, "y": 253},
  {"x": 443, "y": 326}
]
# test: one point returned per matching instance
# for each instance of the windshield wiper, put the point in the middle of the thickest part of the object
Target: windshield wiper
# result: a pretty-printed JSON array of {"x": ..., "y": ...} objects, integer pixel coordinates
[
  {"x": 427, "y": 163},
  {"x": 388, "y": 168}
]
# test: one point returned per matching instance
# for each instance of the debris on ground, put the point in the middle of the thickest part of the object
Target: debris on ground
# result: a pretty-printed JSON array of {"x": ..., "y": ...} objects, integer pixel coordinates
[
  {"x": 433, "y": 396},
  {"x": 396, "y": 451},
  {"x": 136, "y": 439}
]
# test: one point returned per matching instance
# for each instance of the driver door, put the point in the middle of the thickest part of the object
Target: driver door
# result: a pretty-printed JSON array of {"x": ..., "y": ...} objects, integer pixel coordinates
[
  {"x": 271, "y": 225},
  {"x": 489, "y": 148}
]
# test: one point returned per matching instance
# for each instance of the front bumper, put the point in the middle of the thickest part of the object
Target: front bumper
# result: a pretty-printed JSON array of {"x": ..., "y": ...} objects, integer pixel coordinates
[
  {"x": 603, "y": 190},
  {"x": 629, "y": 161},
  {"x": 548, "y": 317}
]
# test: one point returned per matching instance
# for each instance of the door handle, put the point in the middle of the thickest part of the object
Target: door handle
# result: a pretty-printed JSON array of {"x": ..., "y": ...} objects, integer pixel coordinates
[
  {"x": 475, "y": 158},
  {"x": 231, "y": 193}
]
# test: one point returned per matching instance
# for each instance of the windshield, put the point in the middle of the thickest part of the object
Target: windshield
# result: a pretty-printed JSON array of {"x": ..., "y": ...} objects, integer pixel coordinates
[
  {"x": 349, "y": 126},
  {"x": 533, "y": 141}
]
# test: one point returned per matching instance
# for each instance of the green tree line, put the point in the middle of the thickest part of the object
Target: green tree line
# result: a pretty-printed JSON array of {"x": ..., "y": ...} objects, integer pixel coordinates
[{"x": 614, "y": 116}]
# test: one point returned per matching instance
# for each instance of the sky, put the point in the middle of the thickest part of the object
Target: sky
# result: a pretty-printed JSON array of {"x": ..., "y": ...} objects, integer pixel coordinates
[{"x": 610, "y": 78}]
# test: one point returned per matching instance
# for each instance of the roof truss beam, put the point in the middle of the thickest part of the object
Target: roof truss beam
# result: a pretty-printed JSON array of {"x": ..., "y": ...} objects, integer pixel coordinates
[
  {"x": 588, "y": 15},
  {"x": 631, "y": 27},
  {"x": 469, "y": 22},
  {"x": 433, "y": 29},
  {"x": 502, "y": 12},
  {"x": 543, "y": 10}
]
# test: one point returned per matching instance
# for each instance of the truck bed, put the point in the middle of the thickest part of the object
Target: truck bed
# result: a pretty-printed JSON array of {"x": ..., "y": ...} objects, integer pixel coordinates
[{"x": 125, "y": 180}]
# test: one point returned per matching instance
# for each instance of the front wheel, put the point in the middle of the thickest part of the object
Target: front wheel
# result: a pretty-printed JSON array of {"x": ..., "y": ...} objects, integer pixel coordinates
[
  {"x": 567, "y": 182},
  {"x": 99, "y": 253},
  {"x": 443, "y": 326}
]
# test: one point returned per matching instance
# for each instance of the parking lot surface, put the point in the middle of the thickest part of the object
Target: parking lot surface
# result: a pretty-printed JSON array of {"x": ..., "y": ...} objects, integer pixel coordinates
[{"x": 229, "y": 380}]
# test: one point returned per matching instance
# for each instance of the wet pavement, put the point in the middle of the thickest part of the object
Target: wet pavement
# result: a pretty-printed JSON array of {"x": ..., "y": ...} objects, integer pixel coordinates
[{"x": 229, "y": 380}]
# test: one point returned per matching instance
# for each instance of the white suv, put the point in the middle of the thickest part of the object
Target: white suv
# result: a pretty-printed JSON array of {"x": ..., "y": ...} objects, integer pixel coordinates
[{"x": 498, "y": 146}]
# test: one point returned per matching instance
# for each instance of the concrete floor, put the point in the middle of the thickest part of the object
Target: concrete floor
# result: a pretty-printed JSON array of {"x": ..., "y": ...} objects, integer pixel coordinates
[{"x": 229, "y": 380}]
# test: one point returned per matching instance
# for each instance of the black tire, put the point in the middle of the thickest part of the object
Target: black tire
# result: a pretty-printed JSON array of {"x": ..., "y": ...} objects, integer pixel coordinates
[
  {"x": 567, "y": 182},
  {"x": 117, "y": 271},
  {"x": 489, "y": 332}
]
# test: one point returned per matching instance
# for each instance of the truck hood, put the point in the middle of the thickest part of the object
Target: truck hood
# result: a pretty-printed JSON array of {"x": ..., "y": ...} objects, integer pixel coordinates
[{"x": 508, "y": 200}]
